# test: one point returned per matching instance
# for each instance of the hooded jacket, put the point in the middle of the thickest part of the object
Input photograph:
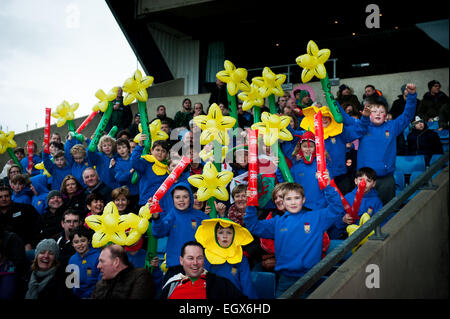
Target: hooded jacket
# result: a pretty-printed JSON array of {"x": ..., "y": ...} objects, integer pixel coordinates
[
  {"x": 58, "y": 173},
  {"x": 123, "y": 176},
  {"x": 179, "y": 226},
  {"x": 89, "y": 273},
  {"x": 377, "y": 149},
  {"x": 101, "y": 162},
  {"x": 424, "y": 142},
  {"x": 39, "y": 201}
]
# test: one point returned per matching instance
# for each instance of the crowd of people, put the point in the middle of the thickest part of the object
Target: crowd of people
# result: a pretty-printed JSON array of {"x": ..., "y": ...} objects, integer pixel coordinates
[{"x": 42, "y": 212}]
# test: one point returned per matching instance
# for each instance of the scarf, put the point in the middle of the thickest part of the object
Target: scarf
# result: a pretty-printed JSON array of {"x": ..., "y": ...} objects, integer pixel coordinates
[
  {"x": 38, "y": 281},
  {"x": 236, "y": 215},
  {"x": 158, "y": 168}
]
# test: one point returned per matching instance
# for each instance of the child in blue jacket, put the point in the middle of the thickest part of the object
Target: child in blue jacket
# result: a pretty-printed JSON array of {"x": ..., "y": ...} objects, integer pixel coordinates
[
  {"x": 370, "y": 202},
  {"x": 298, "y": 234},
  {"x": 304, "y": 172},
  {"x": 21, "y": 192},
  {"x": 179, "y": 223},
  {"x": 40, "y": 191},
  {"x": 76, "y": 157},
  {"x": 57, "y": 167},
  {"x": 123, "y": 170},
  {"x": 377, "y": 149},
  {"x": 85, "y": 260},
  {"x": 151, "y": 168},
  {"x": 102, "y": 160}
]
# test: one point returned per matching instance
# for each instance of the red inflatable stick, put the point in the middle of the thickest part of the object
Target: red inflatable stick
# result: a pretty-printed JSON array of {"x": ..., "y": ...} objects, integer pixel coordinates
[
  {"x": 48, "y": 112},
  {"x": 320, "y": 149},
  {"x": 168, "y": 182},
  {"x": 358, "y": 198},
  {"x": 347, "y": 207},
  {"x": 253, "y": 167},
  {"x": 86, "y": 121},
  {"x": 30, "y": 150}
]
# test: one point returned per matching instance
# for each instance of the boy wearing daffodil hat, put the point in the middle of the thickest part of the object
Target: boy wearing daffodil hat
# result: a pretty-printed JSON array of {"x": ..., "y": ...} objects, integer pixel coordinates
[{"x": 223, "y": 240}]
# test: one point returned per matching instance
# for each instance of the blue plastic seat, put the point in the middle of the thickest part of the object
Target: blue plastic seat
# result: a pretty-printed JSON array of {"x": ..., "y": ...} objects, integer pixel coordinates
[
  {"x": 399, "y": 178},
  {"x": 161, "y": 249},
  {"x": 433, "y": 125},
  {"x": 265, "y": 284},
  {"x": 410, "y": 163}
]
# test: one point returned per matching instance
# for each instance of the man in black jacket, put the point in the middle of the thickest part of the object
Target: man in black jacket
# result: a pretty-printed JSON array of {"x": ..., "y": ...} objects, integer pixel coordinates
[{"x": 196, "y": 282}]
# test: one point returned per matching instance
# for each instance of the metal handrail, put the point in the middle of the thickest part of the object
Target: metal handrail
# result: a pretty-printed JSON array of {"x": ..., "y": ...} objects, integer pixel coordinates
[{"x": 331, "y": 259}]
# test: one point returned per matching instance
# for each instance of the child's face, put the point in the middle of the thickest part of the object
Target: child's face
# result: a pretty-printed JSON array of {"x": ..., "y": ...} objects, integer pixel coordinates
[
  {"x": 53, "y": 149},
  {"x": 121, "y": 203},
  {"x": 172, "y": 165},
  {"x": 159, "y": 153},
  {"x": 78, "y": 157},
  {"x": 107, "y": 147},
  {"x": 326, "y": 121},
  {"x": 197, "y": 204},
  {"x": 60, "y": 161},
  {"x": 224, "y": 237},
  {"x": 80, "y": 244},
  {"x": 279, "y": 203},
  {"x": 293, "y": 202},
  {"x": 132, "y": 146},
  {"x": 377, "y": 114},
  {"x": 96, "y": 206},
  {"x": 308, "y": 149},
  {"x": 122, "y": 150},
  {"x": 165, "y": 128},
  {"x": 181, "y": 199},
  {"x": 369, "y": 183},
  {"x": 240, "y": 200},
  {"x": 17, "y": 187}
]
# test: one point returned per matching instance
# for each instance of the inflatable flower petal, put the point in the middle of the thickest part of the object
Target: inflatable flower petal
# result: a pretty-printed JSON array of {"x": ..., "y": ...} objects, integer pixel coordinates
[
  {"x": 269, "y": 83},
  {"x": 206, "y": 235},
  {"x": 40, "y": 166},
  {"x": 155, "y": 132},
  {"x": 307, "y": 123},
  {"x": 210, "y": 183},
  {"x": 251, "y": 98},
  {"x": 207, "y": 153},
  {"x": 108, "y": 227},
  {"x": 273, "y": 128},
  {"x": 352, "y": 228},
  {"x": 136, "y": 88},
  {"x": 65, "y": 112},
  {"x": 313, "y": 62},
  {"x": 214, "y": 126},
  {"x": 236, "y": 79},
  {"x": 104, "y": 98},
  {"x": 6, "y": 141}
]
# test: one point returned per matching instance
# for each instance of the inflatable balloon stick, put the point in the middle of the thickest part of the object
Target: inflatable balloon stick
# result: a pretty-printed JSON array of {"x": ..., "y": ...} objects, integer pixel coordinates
[
  {"x": 347, "y": 207},
  {"x": 168, "y": 182},
  {"x": 105, "y": 106},
  {"x": 7, "y": 144},
  {"x": 320, "y": 149},
  {"x": 236, "y": 79},
  {"x": 86, "y": 121},
  {"x": 253, "y": 168},
  {"x": 358, "y": 198},
  {"x": 48, "y": 112},
  {"x": 313, "y": 65},
  {"x": 113, "y": 131},
  {"x": 30, "y": 150}
]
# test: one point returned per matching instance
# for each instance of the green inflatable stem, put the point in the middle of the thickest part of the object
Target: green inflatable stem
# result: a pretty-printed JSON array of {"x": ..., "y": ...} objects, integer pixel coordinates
[
  {"x": 233, "y": 108},
  {"x": 152, "y": 246},
  {"x": 217, "y": 154},
  {"x": 142, "y": 108},
  {"x": 332, "y": 104},
  {"x": 272, "y": 104},
  {"x": 113, "y": 131},
  {"x": 282, "y": 165},
  {"x": 100, "y": 128},
  {"x": 256, "y": 114},
  {"x": 14, "y": 158}
]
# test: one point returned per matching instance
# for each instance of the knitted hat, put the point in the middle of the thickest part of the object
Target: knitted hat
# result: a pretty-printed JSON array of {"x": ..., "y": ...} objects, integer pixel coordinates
[
  {"x": 53, "y": 193},
  {"x": 47, "y": 244},
  {"x": 432, "y": 83},
  {"x": 308, "y": 136},
  {"x": 304, "y": 93}
]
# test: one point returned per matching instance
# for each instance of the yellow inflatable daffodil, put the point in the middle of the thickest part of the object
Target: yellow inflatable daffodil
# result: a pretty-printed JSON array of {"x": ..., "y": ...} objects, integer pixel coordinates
[
  {"x": 206, "y": 235},
  {"x": 138, "y": 225},
  {"x": 136, "y": 88},
  {"x": 236, "y": 79},
  {"x": 155, "y": 132},
  {"x": 65, "y": 112},
  {"x": 269, "y": 83},
  {"x": 40, "y": 166},
  {"x": 313, "y": 62},
  {"x": 273, "y": 127},
  {"x": 251, "y": 98},
  {"x": 352, "y": 228},
  {"x": 108, "y": 227},
  {"x": 214, "y": 126},
  {"x": 104, "y": 98},
  {"x": 210, "y": 183},
  {"x": 6, "y": 141},
  {"x": 207, "y": 153},
  {"x": 158, "y": 168},
  {"x": 333, "y": 129}
]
